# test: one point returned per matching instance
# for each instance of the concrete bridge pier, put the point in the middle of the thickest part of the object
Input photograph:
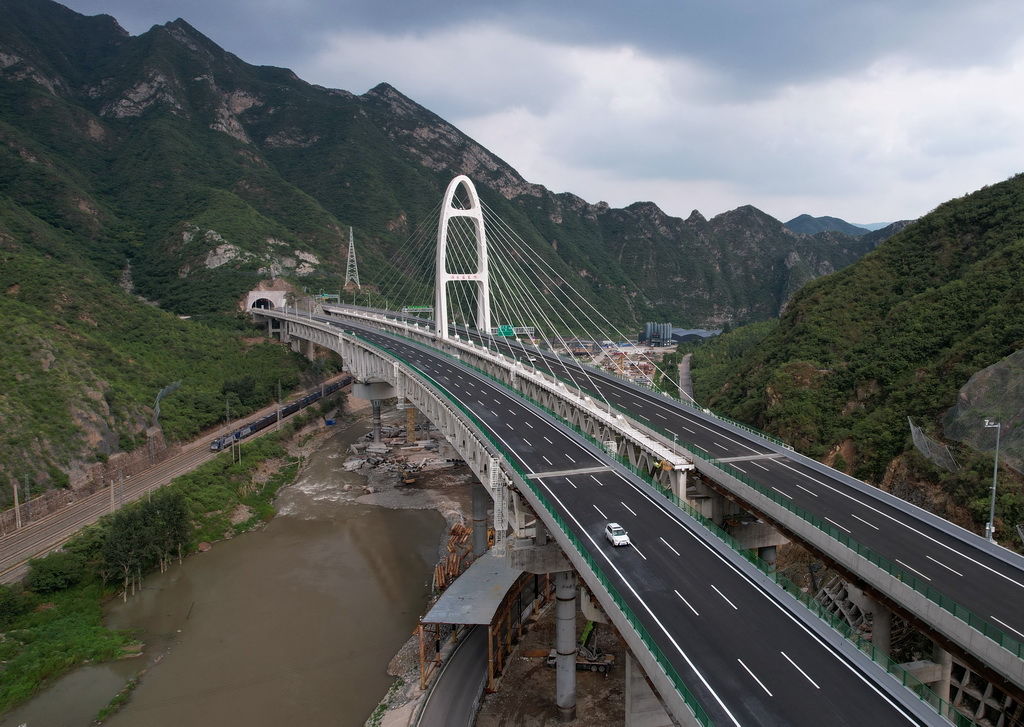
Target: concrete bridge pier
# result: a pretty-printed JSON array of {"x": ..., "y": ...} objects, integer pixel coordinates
[
  {"x": 565, "y": 645},
  {"x": 376, "y": 390},
  {"x": 480, "y": 501},
  {"x": 944, "y": 660},
  {"x": 643, "y": 708}
]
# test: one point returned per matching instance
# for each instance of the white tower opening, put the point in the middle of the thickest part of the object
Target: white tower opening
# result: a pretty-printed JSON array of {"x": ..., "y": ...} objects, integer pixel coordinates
[{"x": 474, "y": 212}]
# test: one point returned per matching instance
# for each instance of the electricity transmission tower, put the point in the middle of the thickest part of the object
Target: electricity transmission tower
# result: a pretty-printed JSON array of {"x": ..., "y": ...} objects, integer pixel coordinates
[{"x": 352, "y": 270}]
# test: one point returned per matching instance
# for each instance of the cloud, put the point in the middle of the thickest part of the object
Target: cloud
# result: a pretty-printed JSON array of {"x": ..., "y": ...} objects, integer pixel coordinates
[{"x": 879, "y": 109}]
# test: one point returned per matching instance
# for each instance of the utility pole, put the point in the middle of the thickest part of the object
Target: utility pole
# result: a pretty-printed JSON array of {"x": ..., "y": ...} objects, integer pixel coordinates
[
  {"x": 278, "y": 426},
  {"x": 17, "y": 508},
  {"x": 990, "y": 527},
  {"x": 28, "y": 498}
]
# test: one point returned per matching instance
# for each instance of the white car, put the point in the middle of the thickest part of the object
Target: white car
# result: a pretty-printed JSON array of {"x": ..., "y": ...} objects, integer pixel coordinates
[{"x": 616, "y": 534}]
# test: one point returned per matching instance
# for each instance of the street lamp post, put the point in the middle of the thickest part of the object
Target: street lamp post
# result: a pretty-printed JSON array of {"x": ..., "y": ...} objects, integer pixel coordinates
[{"x": 991, "y": 525}]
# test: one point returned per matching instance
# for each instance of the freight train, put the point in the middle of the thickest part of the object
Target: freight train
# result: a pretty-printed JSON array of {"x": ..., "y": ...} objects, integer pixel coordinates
[{"x": 252, "y": 427}]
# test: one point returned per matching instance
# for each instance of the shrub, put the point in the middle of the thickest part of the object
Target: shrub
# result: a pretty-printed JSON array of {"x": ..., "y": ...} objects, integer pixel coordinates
[{"x": 56, "y": 572}]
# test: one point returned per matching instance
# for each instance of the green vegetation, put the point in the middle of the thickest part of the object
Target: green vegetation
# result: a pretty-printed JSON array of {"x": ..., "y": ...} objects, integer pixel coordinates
[
  {"x": 55, "y": 622},
  {"x": 895, "y": 335}
]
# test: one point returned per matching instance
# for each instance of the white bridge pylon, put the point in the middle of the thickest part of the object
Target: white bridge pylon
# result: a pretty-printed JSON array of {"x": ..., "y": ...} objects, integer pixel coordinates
[{"x": 483, "y": 299}]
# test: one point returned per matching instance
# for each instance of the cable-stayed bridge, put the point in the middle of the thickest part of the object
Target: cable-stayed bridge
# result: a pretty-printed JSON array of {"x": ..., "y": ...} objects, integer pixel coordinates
[{"x": 702, "y": 620}]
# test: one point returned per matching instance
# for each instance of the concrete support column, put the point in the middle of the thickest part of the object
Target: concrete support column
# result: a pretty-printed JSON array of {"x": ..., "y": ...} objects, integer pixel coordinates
[
  {"x": 480, "y": 501},
  {"x": 375, "y": 403},
  {"x": 643, "y": 708},
  {"x": 565, "y": 645},
  {"x": 881, "y": 628},
  {"x": 717, "y": 509},
  {"x": 945, "y": 661},
  {"x": 767, "y": 554}
]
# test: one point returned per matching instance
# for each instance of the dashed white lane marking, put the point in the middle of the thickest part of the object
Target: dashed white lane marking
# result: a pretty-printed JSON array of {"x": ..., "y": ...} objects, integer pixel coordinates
[
  {"x": 782, "y": 493},
  {"x": 594, "y": 478},
  {"x": 806, "y": 490},
  {"x": 912, "y": 569},
  {"x": 547, "y": 460},
  {"x": 739, "y": 468},
  {"x": 726, "y": 599},
  {"x": 800, "y": 670},
  {"x": 908, "y": 527},
  {"x": 628, "y": 508},
  {"x": 761, "y": 466},
  {"x": 672, "y": 549},
  {"x": 760, "y": 683},
  {"x": 600, "y": 513},
  {"x": 865, "y": 521},
  {"x": 687, "y": 603},
  {"x": 944, "y": 566},
  {"x": 638, "y": 552}
]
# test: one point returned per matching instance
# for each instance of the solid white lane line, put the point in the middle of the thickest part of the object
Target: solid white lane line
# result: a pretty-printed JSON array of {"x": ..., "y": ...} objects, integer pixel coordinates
[
  {"x": 837, "y": 524},
  {"x": 594, "y": 478},
  {"x": 760, "y": 683},
  {"x": 1008, "y": 626},
  {"x": 599, "y": 512},
  {"x": 782, "y": 493},
  {"x": 865, "y": 521},
  {"x": 671, "y": 548},
  {"x": 627, "y": 507},
  {"x": 912, "y": 569},
  {"x": 944, "y": 566},
  {"x": 723, "y": 596},
  {"x": 687, "y": 603},
  {"x": 950, "y": 548},
  {"x": 800, "y": 670},
  {"x": 806, "y": 490}
]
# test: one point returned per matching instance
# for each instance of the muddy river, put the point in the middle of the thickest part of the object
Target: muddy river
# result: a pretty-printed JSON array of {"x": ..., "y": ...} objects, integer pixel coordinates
[{"x": 293, "y": 624}]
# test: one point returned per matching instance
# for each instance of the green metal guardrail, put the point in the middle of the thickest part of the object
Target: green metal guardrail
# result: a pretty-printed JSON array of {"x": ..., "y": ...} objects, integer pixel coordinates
[
  {"x": 1007, "y": 642},
  {"x": 876, "y": 655},
  {"x": 645, "y": 636},
  {"x": 974, "y": 621}
]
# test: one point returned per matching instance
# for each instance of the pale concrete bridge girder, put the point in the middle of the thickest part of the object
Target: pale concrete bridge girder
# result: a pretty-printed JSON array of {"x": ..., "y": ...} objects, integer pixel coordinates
[
  {"x": 507, "y": 489},
  {"x": 642, "y": 449}
]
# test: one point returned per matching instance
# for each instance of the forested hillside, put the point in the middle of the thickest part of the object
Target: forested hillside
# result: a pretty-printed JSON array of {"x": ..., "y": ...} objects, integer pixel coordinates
[
  {"x": 895, "y": 335},
  {"x": 144, "y": 177}
]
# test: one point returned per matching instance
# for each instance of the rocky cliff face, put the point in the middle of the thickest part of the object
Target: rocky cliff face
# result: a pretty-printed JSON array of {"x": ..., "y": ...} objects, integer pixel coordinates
[{"x": 217, "y": 172}]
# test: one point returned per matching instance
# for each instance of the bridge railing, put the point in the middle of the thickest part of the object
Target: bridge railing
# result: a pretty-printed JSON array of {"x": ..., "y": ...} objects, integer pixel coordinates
[
  {"x": 642, "y": 633},
  {"x": 875, "y": 654},
  {"x": 976, "y": 622},
  {"x": 945, "y": 602},
  {"x": 893, "y": 668}
]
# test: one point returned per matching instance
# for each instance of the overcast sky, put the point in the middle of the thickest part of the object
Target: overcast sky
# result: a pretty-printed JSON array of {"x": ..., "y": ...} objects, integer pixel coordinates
[{"x": 868, "y": 110}]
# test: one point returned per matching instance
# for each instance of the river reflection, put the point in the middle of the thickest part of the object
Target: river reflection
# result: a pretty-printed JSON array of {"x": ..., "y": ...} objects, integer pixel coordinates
[{"x": 294, "y": 624}]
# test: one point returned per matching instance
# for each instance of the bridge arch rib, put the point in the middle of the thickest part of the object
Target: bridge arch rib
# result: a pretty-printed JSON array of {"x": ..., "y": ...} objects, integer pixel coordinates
[{"x": 475, "y": 213}]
